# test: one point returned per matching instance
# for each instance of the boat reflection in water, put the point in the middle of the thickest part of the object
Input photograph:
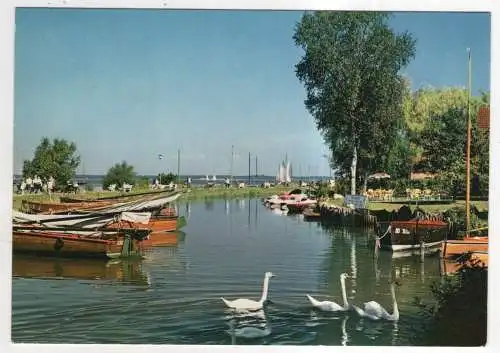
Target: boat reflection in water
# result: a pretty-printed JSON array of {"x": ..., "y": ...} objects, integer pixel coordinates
[{"x": 119, "y": 271}]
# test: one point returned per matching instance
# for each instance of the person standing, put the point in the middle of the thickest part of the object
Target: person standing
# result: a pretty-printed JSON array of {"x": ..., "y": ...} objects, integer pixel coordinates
[
  {"x": 29, "y": 184},
  {"x": 50, "y": 185}
]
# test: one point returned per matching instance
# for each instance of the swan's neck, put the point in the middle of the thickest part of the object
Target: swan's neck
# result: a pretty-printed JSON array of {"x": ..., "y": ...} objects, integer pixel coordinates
[
  {"x": 395, "y": 310},
  {"x": 264, "y": 290},
  {"x": 344, "y": 294}
]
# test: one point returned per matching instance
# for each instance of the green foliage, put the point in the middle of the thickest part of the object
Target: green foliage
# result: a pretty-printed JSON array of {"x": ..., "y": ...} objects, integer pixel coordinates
[
  {"x": 58, "y": 159},
  {"x": 321, "y": 190},
  {"x": 436, "y": 125},
  {"x": 167, "y": 178},
  {"x": 459, "y": 316},
  {"x": 350, "y": 70},
  {"x": 120, "y": 173},
  {"x": 142, "y": 182}
]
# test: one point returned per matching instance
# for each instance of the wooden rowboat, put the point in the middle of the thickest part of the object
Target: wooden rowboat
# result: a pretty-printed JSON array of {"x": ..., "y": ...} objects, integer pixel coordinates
[
  {"x": 161, "y": 239},
  {"x": 454, "y": 248},
  {"x": 74, "y": 243},
  {"x": 155, "y": 224},
  {"x": 61, "y": 207}
]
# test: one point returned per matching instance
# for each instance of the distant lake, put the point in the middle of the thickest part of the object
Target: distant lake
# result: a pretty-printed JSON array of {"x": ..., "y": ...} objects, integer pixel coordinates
[
  {"x": 97, "y": 180},
  {"x": 173, "y": 295}
]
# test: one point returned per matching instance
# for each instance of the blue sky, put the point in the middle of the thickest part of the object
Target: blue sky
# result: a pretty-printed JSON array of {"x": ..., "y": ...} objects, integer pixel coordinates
[{"x": 129, "y": 84}]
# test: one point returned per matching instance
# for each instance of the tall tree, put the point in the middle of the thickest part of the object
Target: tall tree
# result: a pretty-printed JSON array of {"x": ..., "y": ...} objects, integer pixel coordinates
[
  {"x": 351, "y": 71},
  {"x": 120, "y": 173},
  {"x": 437, "y": 123},
  {"x": 58, "y": 159}
]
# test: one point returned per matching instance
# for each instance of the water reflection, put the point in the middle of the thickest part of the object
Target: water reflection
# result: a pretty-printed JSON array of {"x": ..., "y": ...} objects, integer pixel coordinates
[
  {"x": 119, "y": 271},
  {"x": 247, "y": 325},
  {"x": 209, "y": 204},
  {"x": 188, "y": 210}
]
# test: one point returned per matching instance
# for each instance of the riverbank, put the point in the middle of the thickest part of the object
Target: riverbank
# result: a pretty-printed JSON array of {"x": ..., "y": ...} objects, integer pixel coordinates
[
  {"x": 187, "y": 194},
  {"x": 221, "y": 192}
]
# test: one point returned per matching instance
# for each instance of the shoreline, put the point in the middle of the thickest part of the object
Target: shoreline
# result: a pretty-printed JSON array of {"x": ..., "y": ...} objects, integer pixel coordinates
[{"x": 199, "y": 193}]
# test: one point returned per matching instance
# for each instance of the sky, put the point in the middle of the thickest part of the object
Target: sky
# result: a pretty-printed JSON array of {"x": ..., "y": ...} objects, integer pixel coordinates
[{"x": 131, "y": 84}]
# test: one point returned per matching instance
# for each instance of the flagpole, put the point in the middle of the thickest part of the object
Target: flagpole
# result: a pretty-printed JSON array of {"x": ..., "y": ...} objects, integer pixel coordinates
[{"x": 160, "y": 157}]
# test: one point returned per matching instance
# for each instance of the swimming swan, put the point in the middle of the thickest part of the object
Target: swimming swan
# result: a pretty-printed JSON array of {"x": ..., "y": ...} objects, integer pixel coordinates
[
  {"x": 248, "y": 304},
  {"x": 331, "y": 306},
  {"x": 375, "y": 311}
]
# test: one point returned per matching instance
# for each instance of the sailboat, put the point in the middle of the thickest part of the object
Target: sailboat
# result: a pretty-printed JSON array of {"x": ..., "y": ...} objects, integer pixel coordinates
[{"x": 477, "y": 246}]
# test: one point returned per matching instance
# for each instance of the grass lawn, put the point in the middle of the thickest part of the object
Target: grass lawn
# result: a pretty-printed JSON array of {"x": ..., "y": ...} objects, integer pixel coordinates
[{"x": 191, "y": 194}]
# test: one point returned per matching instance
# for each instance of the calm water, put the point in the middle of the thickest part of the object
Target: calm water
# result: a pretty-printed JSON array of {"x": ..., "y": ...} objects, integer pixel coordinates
[{"x": 173, "y": 296}]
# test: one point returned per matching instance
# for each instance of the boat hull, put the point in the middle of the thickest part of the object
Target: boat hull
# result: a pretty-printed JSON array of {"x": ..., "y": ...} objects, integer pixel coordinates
[
  {"x": 408, "y": 235},
  {"x": 451, "y": 266},
  {"x": 70, "y": 245},
  {"x": 58, "y": 207},
  {"x": 160, "y": 239},
  {"x": 299, "y": 207},
  {"x": 454, "y": 248}
]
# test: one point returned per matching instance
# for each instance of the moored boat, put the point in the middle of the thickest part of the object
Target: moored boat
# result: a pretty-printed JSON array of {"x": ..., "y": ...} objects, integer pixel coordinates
[
  {"x": 60, "y": 207},
  {"x": 411, "y": 235},
  {"x": 161, "y": 239},
  {"x": 64, "y": 243},
  {"x": 454, "y": 248},
  {"x": 156, "y": 224},
  {"x": 300, "y": 205}
]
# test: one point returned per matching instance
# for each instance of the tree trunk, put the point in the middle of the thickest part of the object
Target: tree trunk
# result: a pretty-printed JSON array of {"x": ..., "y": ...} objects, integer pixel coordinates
[
  {"x": 353, "y": 170},
  {"x": 365, "y": 183}
]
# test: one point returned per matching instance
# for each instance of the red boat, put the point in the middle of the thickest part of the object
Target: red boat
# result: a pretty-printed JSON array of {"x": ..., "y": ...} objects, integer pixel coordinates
[
  {"x": 74, "y": 244},
  {"x": 160, "y": 239}
]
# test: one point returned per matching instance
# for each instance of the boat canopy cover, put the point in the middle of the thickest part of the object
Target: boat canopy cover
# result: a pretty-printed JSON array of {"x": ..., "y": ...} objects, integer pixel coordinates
[{"x": 136, "y": 217}]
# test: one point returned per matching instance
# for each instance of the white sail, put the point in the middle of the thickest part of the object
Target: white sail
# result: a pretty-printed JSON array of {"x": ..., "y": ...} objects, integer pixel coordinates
[
  {"x": 288, "y": 177},
  {"x": 214, "y": 178}
]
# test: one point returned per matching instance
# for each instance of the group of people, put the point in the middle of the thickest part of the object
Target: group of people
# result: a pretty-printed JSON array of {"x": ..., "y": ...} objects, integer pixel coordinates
[{"x": 35, "y": 185}]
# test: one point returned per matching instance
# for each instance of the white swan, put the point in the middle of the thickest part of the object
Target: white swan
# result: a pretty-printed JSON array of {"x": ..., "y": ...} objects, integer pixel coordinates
[
  {"x": 248, "y": 304},
  {"x": 375, "y": 311},
  {"x": 331, "y": 306}
]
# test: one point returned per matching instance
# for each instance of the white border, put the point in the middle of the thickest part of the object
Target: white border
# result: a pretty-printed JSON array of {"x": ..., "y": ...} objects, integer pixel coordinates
[{"x": 6, "y": 154}]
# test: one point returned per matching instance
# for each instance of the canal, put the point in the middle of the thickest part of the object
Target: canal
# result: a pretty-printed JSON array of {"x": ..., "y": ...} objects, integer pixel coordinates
[{"x": 173, "y": 295}]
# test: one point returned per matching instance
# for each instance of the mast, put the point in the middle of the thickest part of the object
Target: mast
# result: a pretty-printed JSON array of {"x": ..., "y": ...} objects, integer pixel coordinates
[
  {"x": 178, "y": 166},
  {"x": 232, "y": 160},
  {"x": 256, "y": 175},
  {"x": 469, "y": 128},
  {"x": 249, "y": 162}
]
